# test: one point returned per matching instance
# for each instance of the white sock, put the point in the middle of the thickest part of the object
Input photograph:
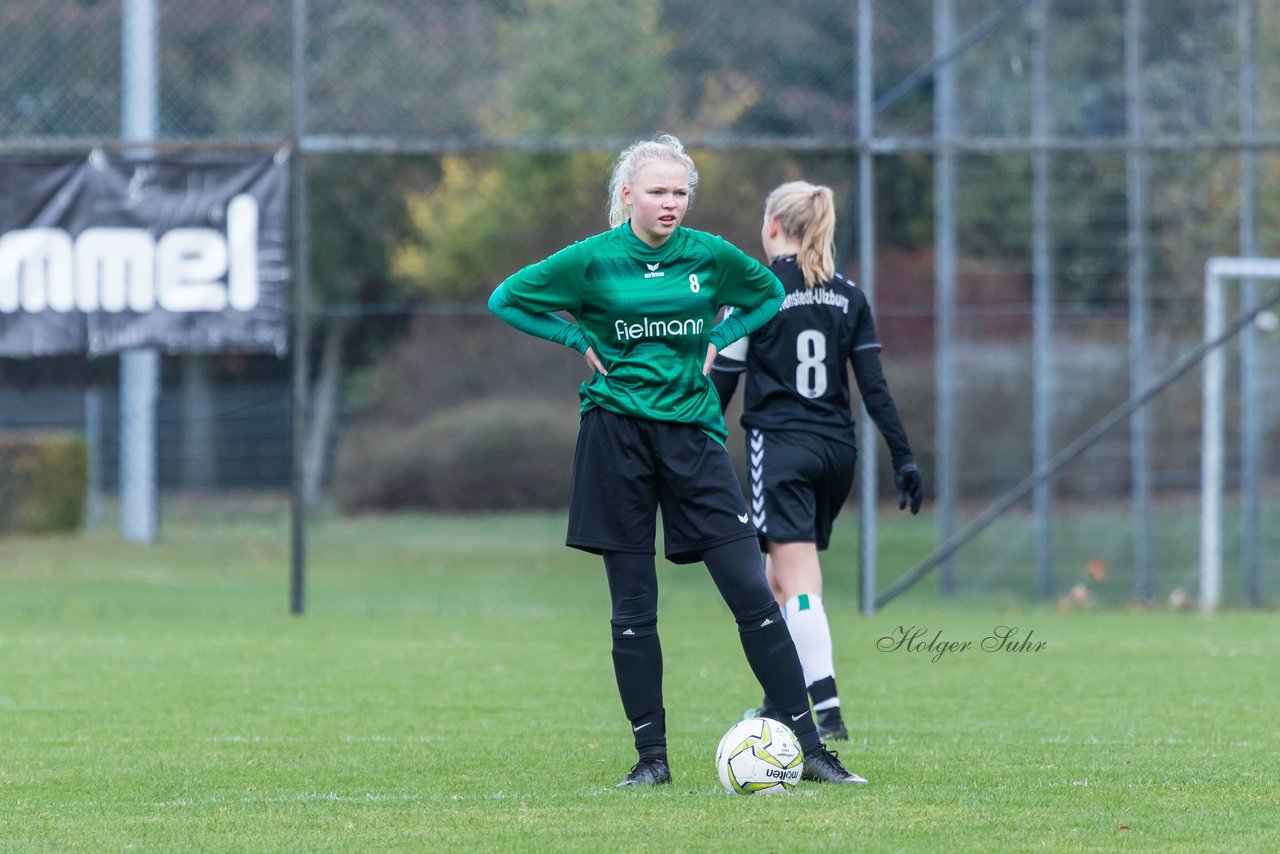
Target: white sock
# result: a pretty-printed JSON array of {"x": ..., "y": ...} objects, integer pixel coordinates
[{"x": 807, "y": 621}]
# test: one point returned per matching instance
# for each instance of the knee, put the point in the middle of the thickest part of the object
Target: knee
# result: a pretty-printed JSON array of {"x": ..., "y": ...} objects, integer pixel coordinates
[
  {"x": 758, "y": 617},
  {"x": 633, "y": 631},
  {"x": 634, "y": 617},
  {"x": 750, "y": 600}
]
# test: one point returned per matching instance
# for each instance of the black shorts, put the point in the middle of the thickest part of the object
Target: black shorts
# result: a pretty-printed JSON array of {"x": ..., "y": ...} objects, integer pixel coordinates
[
  {"x": 799, "y": 483},
  {"x": 625, "y": 468}
]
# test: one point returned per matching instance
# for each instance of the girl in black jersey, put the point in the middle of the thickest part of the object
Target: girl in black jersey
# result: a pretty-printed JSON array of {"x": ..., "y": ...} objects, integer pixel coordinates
[
  {"x": 644, "y": 297},
  {"x": 797, "y": 412}
]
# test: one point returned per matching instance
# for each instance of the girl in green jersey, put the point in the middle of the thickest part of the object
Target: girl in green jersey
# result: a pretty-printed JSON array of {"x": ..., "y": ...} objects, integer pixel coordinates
[{"x": 644, "y": 297}]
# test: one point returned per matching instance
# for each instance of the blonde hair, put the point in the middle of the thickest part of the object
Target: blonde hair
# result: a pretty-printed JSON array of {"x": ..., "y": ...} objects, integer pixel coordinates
[
  {"x": 629, "y": 162},
  {"x": 807, "y": 213}
]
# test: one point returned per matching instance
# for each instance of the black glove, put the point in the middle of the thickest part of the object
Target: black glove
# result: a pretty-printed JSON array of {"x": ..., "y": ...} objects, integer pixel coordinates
[{"x": 908, "y": 482}]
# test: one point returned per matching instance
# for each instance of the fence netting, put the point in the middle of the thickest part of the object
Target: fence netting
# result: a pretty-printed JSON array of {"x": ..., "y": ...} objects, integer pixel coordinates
[{"x": 447, "y": 144}]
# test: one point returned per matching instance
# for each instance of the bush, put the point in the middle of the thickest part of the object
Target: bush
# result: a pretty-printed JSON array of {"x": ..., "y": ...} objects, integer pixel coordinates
[
  {"x": 484, "y": 455},
  {"x": 43, "y": 481}
]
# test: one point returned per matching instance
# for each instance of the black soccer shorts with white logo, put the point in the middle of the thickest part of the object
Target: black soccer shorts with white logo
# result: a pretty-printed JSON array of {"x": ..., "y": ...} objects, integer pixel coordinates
[
  {"x": 626, "y": 468},
  {"x": 799, "y": 483}
]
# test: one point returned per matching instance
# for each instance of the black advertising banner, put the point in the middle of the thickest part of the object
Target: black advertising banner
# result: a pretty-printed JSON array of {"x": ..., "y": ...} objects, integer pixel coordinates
[{"x": 104, "y": 254}]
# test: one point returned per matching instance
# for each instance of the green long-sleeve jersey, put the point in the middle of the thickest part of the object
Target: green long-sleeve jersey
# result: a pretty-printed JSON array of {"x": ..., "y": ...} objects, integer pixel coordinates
[{"x": 648, "y": 313}]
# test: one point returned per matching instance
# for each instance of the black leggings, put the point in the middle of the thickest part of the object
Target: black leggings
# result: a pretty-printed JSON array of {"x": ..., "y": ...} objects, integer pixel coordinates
[
  {"x": 738, "y": 573},
  {"x": 735, "y": 567}
]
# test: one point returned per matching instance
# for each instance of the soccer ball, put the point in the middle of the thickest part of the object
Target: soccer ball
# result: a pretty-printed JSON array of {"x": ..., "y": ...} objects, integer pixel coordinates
[{"x": 759, "y": 755}]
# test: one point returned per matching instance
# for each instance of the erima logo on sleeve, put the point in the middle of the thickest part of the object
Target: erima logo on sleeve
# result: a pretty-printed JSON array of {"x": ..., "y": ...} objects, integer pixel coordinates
[{"x": 654, "y": 272}]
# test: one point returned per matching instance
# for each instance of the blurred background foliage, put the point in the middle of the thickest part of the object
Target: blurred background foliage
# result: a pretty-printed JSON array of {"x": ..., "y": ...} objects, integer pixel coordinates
[{"x": 449, "y": 144}]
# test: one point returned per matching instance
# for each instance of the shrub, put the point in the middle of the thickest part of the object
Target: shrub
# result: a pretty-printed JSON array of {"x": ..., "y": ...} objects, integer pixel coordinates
[
  {"x": 485, "y": 455},
  {"x": 43, "y": 481}
]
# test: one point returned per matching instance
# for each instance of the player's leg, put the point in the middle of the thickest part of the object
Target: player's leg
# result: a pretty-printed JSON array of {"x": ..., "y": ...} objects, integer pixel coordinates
[
  {"x": 735, "y": 568},
  {"x": 798, "y": 574},
  {"x": 766, "y": 709},
  {"x": 738, "y": 574},
  {"x": 806, "y": 479},
  {"x": 794, "y": 569},
  {"x": 637, "y": 661},
  {"x": 613, "y": 512},
  {"x": 705, "y": 518},
  {"x": 756, "y": 453},
  {"x": 831, "y": 491}
]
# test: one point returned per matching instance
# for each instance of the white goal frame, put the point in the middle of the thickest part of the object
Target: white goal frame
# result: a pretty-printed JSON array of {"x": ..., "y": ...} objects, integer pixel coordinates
[{"x": 1217, "y": 272}]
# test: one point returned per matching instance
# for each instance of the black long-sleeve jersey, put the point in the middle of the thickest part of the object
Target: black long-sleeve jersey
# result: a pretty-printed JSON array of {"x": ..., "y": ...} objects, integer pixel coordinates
[{"x": 795, "y": 364}]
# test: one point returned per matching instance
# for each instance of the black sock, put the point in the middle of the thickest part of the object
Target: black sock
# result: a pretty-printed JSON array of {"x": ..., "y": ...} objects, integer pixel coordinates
[
  {"x": 637, "y": 666},
  {"x": 772, "y": 656},
  {"x": 823, "y": 691},
  {"x": 738, "y": 572},
  {"x": 637, "y": 653},
  {"x": 653, "y": 751}
]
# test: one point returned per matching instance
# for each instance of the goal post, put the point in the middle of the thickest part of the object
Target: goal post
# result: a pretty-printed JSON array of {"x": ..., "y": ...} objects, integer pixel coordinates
[
  {"x": 1208, "y": 353},
  {"x": 1218, "y": 272}
]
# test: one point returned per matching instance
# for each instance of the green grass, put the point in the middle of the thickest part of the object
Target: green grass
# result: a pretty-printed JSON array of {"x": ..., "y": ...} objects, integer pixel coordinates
[{"x": 450, "y": 689}]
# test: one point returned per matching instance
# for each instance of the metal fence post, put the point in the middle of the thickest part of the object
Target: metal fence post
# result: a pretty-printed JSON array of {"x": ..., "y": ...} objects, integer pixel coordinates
[
  {"x": 945, "y": 299},
  {"x": 139, "y": 369},
  {"x": 300, "y": 334},
  {"x": 93, "y": 446},
  {"x": 1042, "y": 286},
  {"x": 1251, "y": 454},
  {"x": 1136, "y": 200},
  {"x": 867, "y": 281}
]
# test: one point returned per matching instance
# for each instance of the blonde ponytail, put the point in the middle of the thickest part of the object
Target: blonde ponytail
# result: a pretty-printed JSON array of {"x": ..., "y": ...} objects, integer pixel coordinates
[{"x": 806, "y": 213}]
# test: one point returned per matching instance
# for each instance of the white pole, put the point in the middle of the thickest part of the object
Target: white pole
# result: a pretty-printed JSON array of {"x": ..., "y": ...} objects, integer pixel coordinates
[{"x": 1216, "y": 270}]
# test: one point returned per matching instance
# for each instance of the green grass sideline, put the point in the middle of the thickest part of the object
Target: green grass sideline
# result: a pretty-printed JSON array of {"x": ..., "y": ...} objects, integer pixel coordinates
[{"x": 450, "y": 690}]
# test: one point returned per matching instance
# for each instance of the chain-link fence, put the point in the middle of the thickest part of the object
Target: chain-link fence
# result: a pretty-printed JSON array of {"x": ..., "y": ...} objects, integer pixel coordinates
[{"x": 1047, "y": 180}]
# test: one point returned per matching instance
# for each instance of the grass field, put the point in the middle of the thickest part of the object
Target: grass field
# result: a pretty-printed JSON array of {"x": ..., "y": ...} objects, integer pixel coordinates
[{"x": 450, "y": 689}]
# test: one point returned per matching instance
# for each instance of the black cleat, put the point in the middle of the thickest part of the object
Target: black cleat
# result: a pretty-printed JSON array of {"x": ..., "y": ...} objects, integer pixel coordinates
[
  {"x": 823, "y": 766},
  {"x": 764, "y": 710},
  {"x": 647, "y": 772},
  {"x": 831, "y": 726}
]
